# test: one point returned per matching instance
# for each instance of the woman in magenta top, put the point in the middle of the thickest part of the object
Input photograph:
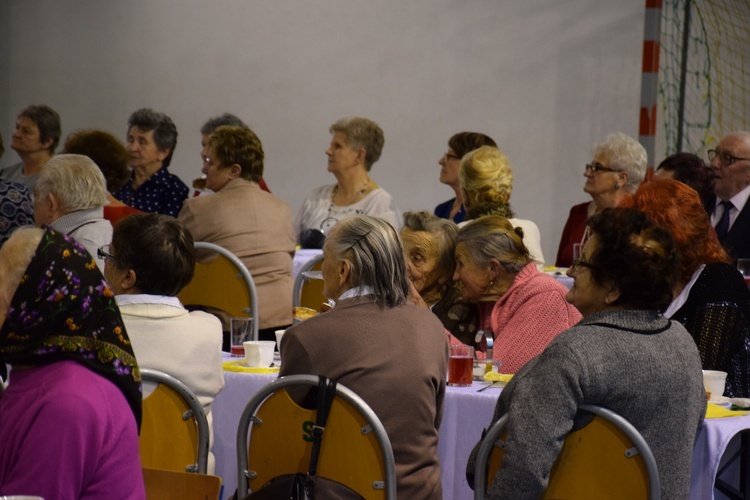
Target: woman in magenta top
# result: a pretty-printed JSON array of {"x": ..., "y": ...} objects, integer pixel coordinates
[
  {"x": 524, "y": 308},
  {"x": 70, "y": 401}
]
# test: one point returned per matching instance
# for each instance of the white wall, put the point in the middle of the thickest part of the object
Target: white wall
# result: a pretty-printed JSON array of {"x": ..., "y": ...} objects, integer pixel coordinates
[{"x": 544, "y": 78}]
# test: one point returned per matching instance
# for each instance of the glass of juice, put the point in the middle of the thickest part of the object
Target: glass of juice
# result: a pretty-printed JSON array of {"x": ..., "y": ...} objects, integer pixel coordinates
[{"x": 460, "y": 365}]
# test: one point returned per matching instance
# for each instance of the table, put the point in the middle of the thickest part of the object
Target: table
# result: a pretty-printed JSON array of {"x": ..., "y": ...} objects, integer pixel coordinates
[{"x": 465, "y": 413}]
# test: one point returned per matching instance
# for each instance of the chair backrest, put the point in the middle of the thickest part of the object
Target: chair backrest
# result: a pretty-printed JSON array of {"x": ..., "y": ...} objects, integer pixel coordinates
[
  {"x": 171, "y": 485},
  {"x": 608, "y": 458},
  {"x": 308, "y": 292},
  {"x": 355, "y": 450},
  {"x": 174, "y": 429},
  {"x": 223, "y": 283}
]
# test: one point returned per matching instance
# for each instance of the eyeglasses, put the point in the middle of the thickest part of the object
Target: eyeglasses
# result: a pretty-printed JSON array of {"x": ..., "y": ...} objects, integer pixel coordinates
[
  {"x": 451, "y": 156},
  {"x": 725, "y": 159},
  {"x": 579, "y": 262},
  {"x": 598, "y": 167},
  {"x": 103, "y": 253}
]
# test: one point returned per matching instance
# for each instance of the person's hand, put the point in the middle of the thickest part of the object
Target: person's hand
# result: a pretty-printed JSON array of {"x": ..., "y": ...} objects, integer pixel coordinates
[{"x": 414, "y": 296}]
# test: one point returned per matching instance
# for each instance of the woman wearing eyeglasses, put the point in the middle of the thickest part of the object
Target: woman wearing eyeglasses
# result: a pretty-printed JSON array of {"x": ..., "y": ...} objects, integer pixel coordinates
[
  {"x": 618, "y": 167},
  {"x": 253, "y": 224},
  {"x": 522, "y": 307},
  {"x": 623, "y": 355},
  {"x": 450, "y": 165}
]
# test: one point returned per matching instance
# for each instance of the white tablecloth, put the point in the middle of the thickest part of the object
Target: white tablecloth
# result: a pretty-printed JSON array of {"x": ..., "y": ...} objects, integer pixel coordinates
[
  {"x": 466, "y": 412},
  {"x": 301, "y": 257}
]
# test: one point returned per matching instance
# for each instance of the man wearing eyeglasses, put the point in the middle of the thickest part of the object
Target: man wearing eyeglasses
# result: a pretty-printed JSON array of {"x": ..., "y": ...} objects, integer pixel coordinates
[{"x": 731, "y": 214}]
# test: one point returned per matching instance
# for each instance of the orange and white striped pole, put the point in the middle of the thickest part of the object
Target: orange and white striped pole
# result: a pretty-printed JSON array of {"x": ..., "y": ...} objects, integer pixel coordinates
[{"x": 650, "y": 81}]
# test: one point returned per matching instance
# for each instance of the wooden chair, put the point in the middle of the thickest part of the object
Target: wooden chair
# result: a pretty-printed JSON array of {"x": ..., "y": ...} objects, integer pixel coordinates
[
  {"x": 223, "y": 283},
  {"x": 174, "y": 430},
  {"x": 308, "y": 292},
  {"x": 355, "y": 450},
  {"x": 608, "y": 458},
  {"x": 171, "y": 485}
]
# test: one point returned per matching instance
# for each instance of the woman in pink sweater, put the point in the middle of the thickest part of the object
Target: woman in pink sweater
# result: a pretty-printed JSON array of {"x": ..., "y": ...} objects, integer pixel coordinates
[{"x": 524, "y": 308}]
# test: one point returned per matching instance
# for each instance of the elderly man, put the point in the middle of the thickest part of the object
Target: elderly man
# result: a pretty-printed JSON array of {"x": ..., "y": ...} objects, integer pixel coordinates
[
  {"x": 69, "y": 197},
  {"x": 152, "y": 137},
  {"x": 35, "y": 139},
  {"x": 731, "y": 212}
]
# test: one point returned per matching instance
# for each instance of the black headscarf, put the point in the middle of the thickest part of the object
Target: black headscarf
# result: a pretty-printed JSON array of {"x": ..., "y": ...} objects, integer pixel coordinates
[{"x": 63, "y": 309}]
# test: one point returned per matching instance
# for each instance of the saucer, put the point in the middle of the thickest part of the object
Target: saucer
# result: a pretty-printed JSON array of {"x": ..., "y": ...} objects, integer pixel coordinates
[{"x": 721, "y": 401}]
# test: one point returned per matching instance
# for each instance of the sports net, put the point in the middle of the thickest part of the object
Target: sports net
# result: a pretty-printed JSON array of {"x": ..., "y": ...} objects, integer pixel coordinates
[{"x": 704, "y": 72}]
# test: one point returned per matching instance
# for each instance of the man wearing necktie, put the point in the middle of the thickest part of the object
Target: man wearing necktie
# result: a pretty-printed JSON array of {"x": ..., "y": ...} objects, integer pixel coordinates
[{"x": 731, "y": 214}]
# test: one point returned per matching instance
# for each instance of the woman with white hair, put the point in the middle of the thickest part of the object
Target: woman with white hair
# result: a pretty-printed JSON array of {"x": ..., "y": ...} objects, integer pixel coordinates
[
  {"x": 355, "y": 146},
  {"x": 618, "y": 168},
  {"x": 391, "y": 353},
  {"x": 69, "y": 196}
]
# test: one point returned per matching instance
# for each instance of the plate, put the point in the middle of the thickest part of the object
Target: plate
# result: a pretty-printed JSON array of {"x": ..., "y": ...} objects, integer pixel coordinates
[
  {"x": 722, "y": 401},
  {"x": 743, "y": 403}
]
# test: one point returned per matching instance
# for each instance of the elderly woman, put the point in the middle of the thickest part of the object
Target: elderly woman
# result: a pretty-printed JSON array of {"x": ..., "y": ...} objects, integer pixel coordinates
[
  {"x": 522, "y": 307},
  {"x": 624, "y": 355},
  {"x": 355, "y": 147},
  {"x": 618, "y": 167},
  {"x": 112, "y": 159},
  {"x": 35, "y": 139},
  {"x": 208, "y": 129},
  {"x": 690, "y": 169},
  {"x": 251, "y": 223},
  {"x": 710, "y": 298},
  {"x": 429, "y": 248},
  {"x": 152, "y": 137},
  {"x": 150, "y": 260},
  {"x": 70, "y": 413},
  {"x": 368, "y": 342},
  {"x": 69, "y": 196},
  {"x": 487, "y": 181},
  {"x": 450, "y": 163}
]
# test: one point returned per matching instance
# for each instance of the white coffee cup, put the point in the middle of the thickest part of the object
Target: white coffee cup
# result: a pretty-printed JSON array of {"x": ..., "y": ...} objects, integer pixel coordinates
[
  {"x": 713, "y": 383},
  {"x": 259, "y": 353},
  {"x": 279, "y": 334}
]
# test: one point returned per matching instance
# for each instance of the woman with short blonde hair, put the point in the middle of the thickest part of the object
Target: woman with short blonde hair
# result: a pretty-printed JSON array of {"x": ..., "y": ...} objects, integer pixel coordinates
[{"x": 487, "y": 181}]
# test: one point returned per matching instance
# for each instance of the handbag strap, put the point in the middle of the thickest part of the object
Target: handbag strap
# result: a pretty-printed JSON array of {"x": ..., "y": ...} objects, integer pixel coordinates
[{"x": 326, "y": 393}]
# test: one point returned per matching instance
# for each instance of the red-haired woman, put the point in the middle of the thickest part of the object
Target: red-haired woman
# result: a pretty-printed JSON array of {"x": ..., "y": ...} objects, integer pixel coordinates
[{"x": 711, "y": 299}]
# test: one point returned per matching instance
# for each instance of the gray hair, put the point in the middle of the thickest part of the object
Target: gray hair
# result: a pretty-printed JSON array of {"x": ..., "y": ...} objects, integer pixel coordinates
[
  {"x": 625, "y": 154},
  {"x": 374, "y": 251},
  {"x": 443, "y": 230},
  {"x": 494, "y": 237},
  {"x": 165, "y": 131},
  {"x": 362, "y": 133},
  {"x": 219, "y": 121},
  {"x": 76, "y": 182}
]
